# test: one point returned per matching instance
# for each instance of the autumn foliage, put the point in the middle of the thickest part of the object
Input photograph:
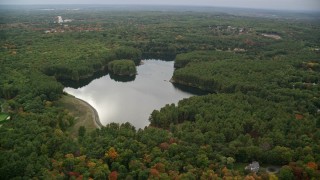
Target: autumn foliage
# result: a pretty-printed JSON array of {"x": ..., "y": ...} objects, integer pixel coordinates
[
  {"x": 154, "y": 172},
  {"x": 261, "y": 101},
  {"x": 113, "y": 175},
  {"x": 312, "y": 165},
  {"x": 160, "y": 167},
  {"x": 164, "y": 146},
  {"x": 111, "y": 153}
]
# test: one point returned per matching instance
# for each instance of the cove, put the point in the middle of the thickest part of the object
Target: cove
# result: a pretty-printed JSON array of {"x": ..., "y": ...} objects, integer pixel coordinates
[{"x": 133, "y": 100}]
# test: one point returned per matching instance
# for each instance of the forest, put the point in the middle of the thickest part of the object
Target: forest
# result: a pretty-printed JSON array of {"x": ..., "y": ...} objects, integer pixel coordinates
[{"x": 261, "y": 75}]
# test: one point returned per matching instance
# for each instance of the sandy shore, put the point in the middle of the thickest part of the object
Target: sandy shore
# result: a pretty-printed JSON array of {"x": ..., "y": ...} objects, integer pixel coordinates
[
  {"x": 84, "y": 114},
  {"x": 95, "y": 115}
]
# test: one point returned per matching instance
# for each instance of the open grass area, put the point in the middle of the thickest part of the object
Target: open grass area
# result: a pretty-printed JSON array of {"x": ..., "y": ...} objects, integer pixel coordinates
[
  {"x": 240, "y": 167},
  {"x": 83, "y": 113},
  {"x": 3, "y": 117}
]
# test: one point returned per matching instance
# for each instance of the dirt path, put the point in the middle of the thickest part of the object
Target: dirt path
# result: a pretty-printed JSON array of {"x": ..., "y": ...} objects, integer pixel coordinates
[{"x": 85, "y": 115}]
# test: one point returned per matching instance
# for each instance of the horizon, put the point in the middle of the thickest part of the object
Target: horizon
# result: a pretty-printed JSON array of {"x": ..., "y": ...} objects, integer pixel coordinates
[
  {"x": 287, "y": 5},
  {"x": 167, "y": 5}
]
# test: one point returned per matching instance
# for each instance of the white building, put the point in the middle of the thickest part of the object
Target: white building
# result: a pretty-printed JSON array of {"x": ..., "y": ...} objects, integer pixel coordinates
[
  {"x": 67, "y": 20},
  {"x": 253, "y": 167},
  {"x": 59, "y": 19}
]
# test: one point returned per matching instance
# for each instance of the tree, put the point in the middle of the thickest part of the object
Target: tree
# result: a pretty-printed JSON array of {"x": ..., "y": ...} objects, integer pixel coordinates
[
  {"x": 280, "y": 155},
  {"x": 113, "y": 175},
  {"x": 312, "y": 165},
  {"x": 122, "y": 67},
  {"x": 111, "y": 153},
  {"x": 82, "y": 131},
  {"x": 230, "y": 162},
  {"x": 286, "y": 173}
]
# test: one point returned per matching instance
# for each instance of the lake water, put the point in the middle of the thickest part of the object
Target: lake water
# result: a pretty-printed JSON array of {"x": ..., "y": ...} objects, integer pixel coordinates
[{"x": 133, "y": 100}]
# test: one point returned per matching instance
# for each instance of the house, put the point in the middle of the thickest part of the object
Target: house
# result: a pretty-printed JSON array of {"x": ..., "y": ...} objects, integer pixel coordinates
[
  {"x": 67, "y": 20},
  {"x": 253, "y": 167},
  {"x": 59, "y": 20}
]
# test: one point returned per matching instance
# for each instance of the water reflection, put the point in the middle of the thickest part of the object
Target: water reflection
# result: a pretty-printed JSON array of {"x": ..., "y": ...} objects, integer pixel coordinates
[
  {"x": 189, "y": 89},
  {"x": 122, "y": 78},
  {"x": 83, "y": 82},
  {"x": 132, "y": 101}
]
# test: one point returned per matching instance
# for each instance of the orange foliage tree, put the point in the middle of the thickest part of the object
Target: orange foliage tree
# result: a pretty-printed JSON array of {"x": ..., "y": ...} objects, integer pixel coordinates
[
  {"x": 111, "y": 153},
  {"x": 312, "y": 165},
  {"x": 160, "y": 167}
]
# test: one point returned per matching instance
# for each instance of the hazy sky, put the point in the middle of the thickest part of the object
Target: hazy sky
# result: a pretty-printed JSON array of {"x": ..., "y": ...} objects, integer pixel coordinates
[{"x": 265, "y": 4}]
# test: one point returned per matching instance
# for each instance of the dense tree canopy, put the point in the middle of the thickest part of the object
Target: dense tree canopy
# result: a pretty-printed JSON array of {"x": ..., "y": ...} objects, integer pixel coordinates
[
  {"x": 263, "y": 73},
  {"x": 122, "y": 67}
]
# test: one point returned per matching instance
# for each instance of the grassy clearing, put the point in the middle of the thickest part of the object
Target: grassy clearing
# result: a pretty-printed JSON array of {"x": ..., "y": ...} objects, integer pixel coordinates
[
  {"x": 83, "y": 113},
  {"x": 240, "y": 167},
  {"x": 3, "y": 116}
]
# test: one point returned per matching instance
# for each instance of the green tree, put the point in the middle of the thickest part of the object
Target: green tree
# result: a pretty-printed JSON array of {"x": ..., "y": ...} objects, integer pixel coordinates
[
  {"x": 82, "y": 131},
  {"x": 285, "y": 173}
]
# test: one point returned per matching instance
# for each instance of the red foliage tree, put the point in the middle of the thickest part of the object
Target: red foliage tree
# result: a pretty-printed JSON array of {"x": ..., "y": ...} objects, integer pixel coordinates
[
  {"x": 164, "y": 146},
  {"x": 154, "y": 172},
  {"x": 113, "y": 175}
]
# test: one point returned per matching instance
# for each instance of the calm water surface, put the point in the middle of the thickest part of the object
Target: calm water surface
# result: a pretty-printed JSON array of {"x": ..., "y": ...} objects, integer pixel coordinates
[{"x": 132, "y": 101}]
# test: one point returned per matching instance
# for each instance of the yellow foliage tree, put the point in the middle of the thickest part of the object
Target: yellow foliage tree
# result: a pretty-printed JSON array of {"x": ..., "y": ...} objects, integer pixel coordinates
[
  {"x": 111, "y": 153},
  {"x": 91, "y": 164},
  {"x": 69, "y": 156},
  {"x": 272, "y": 176}
]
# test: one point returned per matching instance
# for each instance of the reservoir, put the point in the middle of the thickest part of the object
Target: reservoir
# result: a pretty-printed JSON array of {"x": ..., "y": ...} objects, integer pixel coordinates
[{"x": 133, "y": 100}]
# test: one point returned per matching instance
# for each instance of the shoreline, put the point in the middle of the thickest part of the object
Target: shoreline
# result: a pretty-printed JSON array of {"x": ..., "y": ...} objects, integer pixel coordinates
[{"x": 95, "y": 114}]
